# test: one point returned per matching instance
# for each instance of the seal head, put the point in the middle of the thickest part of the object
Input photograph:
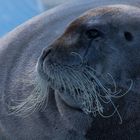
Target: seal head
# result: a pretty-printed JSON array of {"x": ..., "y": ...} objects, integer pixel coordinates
[{"x": 96, "y": 57}]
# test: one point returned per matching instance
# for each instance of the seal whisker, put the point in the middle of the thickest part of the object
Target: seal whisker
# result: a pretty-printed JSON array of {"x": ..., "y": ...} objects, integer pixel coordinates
[
  {"x": 33, "y": 102},
  {"x": 76, "y": 80},
  {"x": 88, "y": 100}
]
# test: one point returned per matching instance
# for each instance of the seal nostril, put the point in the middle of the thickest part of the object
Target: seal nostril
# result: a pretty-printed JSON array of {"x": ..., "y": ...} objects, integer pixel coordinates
[
  {"x": 48, "y": 51},
  {"x": 45, "y": 53},
  {"x": 128, "y": 36}
]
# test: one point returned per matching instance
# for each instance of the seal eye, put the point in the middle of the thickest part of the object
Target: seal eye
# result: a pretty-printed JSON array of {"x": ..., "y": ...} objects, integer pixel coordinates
[
  {"x": 128, "y": 36},
  {"x": 93, "y": 33}
]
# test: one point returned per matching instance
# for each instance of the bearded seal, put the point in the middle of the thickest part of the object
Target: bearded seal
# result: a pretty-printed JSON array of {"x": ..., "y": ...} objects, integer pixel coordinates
[
  {"x": 89, "y": 73},
  {"x": 101, "y": 42}
]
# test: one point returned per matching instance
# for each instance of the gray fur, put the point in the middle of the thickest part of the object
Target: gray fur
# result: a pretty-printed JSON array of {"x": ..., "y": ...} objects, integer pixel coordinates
[{"x": 19, "y": 53}]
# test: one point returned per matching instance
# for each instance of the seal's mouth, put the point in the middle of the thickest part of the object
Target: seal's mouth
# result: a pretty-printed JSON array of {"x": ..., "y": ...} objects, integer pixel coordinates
[{"x": 92, "y": 92}]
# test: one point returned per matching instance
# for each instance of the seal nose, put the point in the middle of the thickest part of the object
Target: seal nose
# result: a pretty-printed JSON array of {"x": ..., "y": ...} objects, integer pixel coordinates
[{"x": 45, "y": 53}]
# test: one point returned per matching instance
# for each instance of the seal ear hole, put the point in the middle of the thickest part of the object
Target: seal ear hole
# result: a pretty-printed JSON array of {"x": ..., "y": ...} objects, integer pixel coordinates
[{"x": 128, "y": 36}]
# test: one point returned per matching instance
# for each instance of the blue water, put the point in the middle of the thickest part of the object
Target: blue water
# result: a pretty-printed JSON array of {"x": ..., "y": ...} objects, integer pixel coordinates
[{"x": 15, "y": 12}]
